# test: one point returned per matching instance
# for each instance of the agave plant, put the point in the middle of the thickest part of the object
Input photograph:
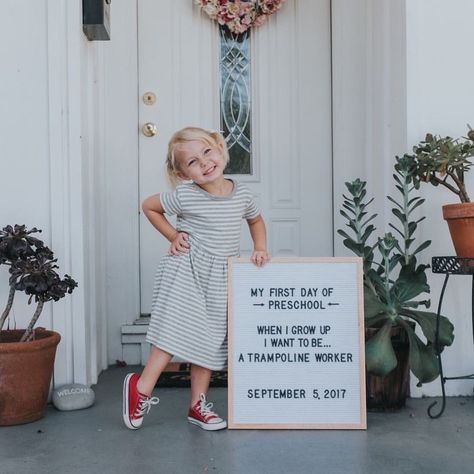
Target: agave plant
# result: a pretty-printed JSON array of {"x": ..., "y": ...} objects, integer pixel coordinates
[
  {"x": 393, "y": 279},
  {"x": 32, "y": 270}
]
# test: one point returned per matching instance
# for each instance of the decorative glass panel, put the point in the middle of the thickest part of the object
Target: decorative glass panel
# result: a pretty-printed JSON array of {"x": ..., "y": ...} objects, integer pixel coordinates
[{"x": 235, "y": 99}]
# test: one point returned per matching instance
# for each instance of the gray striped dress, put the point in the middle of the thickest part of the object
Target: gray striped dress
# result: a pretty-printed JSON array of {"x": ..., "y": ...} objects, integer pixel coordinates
[{"x": 189, "y": 309}]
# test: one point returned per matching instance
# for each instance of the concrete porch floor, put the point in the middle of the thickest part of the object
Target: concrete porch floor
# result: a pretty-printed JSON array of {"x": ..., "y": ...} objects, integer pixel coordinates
[{"x": 95, "y": 441}]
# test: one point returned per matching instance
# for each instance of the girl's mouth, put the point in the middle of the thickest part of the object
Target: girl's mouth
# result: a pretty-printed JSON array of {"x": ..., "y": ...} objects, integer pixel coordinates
[{"x": 209, "y": 171}]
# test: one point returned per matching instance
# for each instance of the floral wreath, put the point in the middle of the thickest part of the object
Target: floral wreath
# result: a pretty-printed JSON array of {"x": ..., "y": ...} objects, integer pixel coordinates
[{"x": 240, "y": 15}]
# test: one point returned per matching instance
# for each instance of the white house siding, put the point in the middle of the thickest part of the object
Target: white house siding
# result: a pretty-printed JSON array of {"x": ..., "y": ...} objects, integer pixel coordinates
[
  {"x": 50, "y": 116},
  {"x": 24, "y": 138},
  {"x": 121, "y": 175},
  {"x": 24, "y": 143},
  {"x": 440, "y": 99}
]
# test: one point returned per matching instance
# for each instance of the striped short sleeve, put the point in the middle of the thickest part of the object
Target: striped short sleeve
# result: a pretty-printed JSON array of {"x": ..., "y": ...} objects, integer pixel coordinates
[
  {"x": 170, "y": 202},
  {"x": 252, "y": 210}
]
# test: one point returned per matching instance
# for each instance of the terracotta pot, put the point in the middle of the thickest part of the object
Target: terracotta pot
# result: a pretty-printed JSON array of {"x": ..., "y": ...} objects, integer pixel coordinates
[
  {"x": 460, "y": 219},
  {"x": 26, "y": 369},
  {"x": 389, "y": 393}
]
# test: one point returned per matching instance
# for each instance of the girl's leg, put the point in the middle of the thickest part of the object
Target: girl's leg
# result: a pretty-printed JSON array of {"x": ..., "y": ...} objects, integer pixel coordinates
[
  {"x": 200, "y": 379},
  {"x": 156, "y": 363},
  {"x": 200, "y": 412},
  {"x": 137, "y": 399}
]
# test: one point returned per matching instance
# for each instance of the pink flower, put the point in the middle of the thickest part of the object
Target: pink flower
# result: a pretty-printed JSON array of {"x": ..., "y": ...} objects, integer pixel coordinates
[
  {"x": 232, "y": 9},
  {"x": 239, "y": 15},
  {"x": 270, "y": 6},
  {"x": 239, "y": 28},
  {"x": 246, "y": 8},
  {"x": 246, "y": 20},
  {"x": 211, "y": 10},
  {"x": 259, "y": 20}
]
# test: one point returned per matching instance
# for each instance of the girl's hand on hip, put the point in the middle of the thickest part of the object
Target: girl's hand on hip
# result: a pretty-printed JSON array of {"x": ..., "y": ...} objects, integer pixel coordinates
[
  {"x": 179, "y": 244},
  {"x": 260, "y": 257}
]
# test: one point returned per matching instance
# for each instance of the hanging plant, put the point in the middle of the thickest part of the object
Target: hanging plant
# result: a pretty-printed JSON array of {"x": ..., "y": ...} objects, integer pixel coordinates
[{"x": 239, "y": 15}]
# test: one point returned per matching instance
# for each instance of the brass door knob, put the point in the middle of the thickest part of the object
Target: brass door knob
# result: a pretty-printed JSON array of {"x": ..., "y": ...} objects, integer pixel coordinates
[{"x": 149, "y": 129}]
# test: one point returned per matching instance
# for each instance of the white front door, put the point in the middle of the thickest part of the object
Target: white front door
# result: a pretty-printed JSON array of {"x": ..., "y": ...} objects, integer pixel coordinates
[{"x": 291, "y": 117}]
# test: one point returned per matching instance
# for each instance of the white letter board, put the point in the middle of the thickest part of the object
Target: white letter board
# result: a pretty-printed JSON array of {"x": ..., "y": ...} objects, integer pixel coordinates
[{"x": 296, "y": 344}]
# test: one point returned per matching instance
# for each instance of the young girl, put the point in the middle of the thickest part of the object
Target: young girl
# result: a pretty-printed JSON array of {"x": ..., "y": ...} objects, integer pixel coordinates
[{"x": 189, "y": 311}]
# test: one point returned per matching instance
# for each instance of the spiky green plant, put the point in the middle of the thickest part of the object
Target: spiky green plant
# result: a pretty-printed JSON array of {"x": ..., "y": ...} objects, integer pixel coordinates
[{"x": 393, "y": 280}]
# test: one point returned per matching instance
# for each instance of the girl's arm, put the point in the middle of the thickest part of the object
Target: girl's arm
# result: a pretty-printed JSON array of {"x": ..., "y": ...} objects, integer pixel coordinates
[
  {"x": 154, "y": 211},
  {"x": 259, "y": 237}
]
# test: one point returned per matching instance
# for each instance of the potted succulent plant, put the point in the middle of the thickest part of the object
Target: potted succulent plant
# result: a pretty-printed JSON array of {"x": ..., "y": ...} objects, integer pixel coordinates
[
  {"x": 443, "y": 161},
  {"x": 393, "y": 282},
  {"x": 27, "y": 355}
]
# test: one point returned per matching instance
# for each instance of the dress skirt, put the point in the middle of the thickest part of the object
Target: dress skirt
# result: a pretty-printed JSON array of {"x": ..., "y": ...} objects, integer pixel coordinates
[{"x": 189, "y": 309}]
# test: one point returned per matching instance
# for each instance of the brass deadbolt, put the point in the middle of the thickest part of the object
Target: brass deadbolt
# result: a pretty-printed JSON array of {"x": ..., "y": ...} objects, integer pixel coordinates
[{"x": 149, "y": 98}]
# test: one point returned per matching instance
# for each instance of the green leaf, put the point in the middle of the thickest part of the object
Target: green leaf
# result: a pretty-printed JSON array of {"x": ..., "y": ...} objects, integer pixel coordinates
[
  {"x": 415, "y": 304},
  {"x": 396, "y": 212},
  {"x": 344, "y": 214},
  {"x": 380, "y": 357},
  {"x": 352, "y": 245},
  {"x": 375, "y": 278},
  {"x": 423, "y": 360},
  {"x": 412, "y": 200},
  {"x": 427, "y": 322},
  {"x": 397, "y": 179},
  {"x": 349, "y": 208},
  {"x": 372, "y": 304},
  {"x": 395, "y": 202},
  {"x": 423, "y": 246},
  {"x": 398, "y": 230},
  {"x": 344, "y": 234},
  {"x": 373, "y": 216},
  {"x": 393, "y": 262},
  {"x": 374, "y": 321},
  {"x": 411, "y": 282},
  {"x": 367, "y": 233},
  {"x": 419, "y": 203}
]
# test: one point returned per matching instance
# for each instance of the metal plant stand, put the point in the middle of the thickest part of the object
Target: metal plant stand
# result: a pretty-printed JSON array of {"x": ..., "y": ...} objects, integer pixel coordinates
[{"x": 450, "y": 266}]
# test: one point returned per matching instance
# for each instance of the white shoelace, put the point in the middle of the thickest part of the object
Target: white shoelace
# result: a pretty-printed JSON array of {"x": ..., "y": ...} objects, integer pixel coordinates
[
  {"x": 206, "y": 407},
  {"x": 145, "y": 405}
]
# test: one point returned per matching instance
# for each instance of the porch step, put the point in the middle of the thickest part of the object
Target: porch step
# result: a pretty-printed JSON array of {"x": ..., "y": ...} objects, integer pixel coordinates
[
  {"x": 134, "y": 344},
  {"x": 133, "y": 339}
]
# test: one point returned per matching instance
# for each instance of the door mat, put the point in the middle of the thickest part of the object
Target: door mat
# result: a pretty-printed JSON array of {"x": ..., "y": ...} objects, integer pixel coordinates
[{"x": 182, "y": 377}]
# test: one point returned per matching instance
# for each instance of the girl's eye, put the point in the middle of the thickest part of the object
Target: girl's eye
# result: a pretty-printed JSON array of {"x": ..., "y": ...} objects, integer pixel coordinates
[
  {"x": 191, "y": 162},
  {"x": 207, "y": 150}
]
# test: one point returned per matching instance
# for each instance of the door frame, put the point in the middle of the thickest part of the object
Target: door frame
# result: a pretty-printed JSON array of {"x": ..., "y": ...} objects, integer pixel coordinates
[{"x": 369, "y": 128}]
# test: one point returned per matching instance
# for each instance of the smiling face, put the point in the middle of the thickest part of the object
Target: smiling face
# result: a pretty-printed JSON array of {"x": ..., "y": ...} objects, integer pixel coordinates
[{"x": 200, "y": 162}]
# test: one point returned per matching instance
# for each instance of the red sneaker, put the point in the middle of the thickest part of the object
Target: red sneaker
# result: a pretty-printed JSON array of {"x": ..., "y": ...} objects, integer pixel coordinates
[
  {"x": 202, "y": 415},
  {"x": 135, "y": 404}
]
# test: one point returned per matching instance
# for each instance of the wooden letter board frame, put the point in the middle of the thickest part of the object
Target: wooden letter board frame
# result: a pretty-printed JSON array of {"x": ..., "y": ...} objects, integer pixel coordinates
[{"x": 243, "y": 276}]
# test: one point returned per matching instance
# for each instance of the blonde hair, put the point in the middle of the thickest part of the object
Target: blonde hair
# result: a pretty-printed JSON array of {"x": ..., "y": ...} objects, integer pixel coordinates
[{"x": 212, "y": 138}]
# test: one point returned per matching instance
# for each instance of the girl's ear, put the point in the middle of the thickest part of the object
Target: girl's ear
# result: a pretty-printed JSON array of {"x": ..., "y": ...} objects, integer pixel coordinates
[{"x": 181, "y": 175}]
